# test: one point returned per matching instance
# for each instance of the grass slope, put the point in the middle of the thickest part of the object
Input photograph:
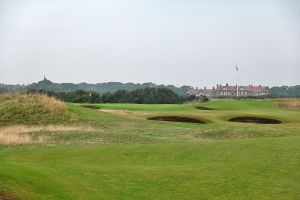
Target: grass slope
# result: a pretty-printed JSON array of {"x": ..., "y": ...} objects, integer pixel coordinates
[
  {"x": 239, "y": 169},
  {"x": 129, "y": 157}
]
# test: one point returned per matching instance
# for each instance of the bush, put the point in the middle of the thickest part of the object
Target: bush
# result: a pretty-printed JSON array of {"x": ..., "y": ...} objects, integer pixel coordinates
[{"x": 138, "y": 96}]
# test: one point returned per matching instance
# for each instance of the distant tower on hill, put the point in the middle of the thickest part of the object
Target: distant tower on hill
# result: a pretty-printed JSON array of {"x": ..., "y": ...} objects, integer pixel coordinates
[{"x": 45, "y": 78}]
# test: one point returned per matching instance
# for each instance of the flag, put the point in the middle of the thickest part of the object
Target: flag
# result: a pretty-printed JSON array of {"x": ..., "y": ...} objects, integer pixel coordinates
[{"x": 236, "y": 67}]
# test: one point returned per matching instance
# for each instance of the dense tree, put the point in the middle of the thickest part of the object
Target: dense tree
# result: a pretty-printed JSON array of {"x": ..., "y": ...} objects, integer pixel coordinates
[
  {"x": 285, "y": 91},
  {"x": 101, "y": 88},
  {"x": 139, "y": 96}
]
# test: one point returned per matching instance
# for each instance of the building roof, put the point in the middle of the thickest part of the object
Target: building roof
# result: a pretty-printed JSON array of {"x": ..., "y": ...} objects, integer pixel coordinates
[{"x": 250, "y": 88}]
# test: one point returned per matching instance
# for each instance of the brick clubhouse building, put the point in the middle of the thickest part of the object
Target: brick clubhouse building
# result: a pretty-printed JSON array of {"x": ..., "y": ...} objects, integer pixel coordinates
[{"x": 230, "y": 91}]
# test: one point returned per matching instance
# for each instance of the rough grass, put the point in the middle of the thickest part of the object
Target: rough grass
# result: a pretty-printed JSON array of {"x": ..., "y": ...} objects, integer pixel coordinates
[
  {"x": 19, "y": 134},
  {"x": 14, "y": 138},
  {"x": 290, "y": 103},
  {"x": 31, "y": 109},
  {"x": 125, "y": 112}
]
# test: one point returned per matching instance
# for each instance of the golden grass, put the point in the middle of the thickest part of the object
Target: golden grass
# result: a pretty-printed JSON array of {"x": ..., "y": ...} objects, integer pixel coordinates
[
  {"x": 51, "y": 103},
  {"x": 14, "y": 138},
  {"x": 290, "y": 103},
  {"x": 18, "y": 134},
  {"x": 16, "y": 108},
  {"x": 125, "y": 112}
]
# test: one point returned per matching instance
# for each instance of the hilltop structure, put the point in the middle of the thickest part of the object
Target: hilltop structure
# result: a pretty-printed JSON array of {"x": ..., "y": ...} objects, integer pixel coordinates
[{"x": 230, "y": 91}]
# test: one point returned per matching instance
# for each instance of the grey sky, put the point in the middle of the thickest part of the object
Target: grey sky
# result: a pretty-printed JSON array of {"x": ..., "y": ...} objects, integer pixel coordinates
[{"x": 179, "y": 42}]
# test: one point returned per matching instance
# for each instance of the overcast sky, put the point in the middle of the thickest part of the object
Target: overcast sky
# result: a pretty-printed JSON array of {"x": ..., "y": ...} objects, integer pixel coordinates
[{"x": 180, "y": 42}]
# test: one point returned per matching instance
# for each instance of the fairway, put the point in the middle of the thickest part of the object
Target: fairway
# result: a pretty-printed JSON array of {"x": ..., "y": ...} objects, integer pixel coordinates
[{"x": 114, "y": 152}]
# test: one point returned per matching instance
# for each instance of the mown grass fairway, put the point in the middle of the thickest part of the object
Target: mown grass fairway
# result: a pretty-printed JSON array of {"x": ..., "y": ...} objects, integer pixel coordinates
[{"x": 122, "y": 155}]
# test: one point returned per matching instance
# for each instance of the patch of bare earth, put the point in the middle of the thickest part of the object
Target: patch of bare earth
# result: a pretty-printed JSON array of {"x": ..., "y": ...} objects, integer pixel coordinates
[
  {"x": 18, "y": 134},
  {"x": 7, "y": 196}
]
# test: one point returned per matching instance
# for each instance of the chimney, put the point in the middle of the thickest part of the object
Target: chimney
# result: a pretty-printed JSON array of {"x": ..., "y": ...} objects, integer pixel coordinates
[
  {"x": 205, "y": 88},
  {"x": 227, "y": 84},
  {"x": 196, "y": 88},
  {"x": 214, "y": 88},
  {"x": 217, "y": 85},
  {"x": 236, "y": 85}
]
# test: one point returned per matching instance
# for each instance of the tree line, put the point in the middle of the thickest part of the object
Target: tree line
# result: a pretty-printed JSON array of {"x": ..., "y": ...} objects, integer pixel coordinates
[
  {"x": 112, "y": 87},
  {"x": 138, "y": 96},
  {"x": 101, "y": 87},
  {"x": 285, "y": 91}
]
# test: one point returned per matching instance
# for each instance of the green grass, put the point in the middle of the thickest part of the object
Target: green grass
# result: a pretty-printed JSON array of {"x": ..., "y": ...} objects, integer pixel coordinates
[
  {"x": 239, "y": 169},
  {"x": 129, "y": 157}
]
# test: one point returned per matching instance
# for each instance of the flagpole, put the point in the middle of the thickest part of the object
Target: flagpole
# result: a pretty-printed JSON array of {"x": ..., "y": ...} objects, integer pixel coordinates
[{"x": 237, "y": 79}]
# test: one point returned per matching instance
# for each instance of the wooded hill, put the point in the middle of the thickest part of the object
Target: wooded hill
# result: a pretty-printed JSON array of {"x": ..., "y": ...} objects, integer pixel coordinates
[{"x": 101, "y": 88}]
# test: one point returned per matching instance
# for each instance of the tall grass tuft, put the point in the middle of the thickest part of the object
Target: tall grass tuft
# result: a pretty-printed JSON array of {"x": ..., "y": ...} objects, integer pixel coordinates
[
  {"x": 14, "y": 138},
  {"x": 290, "y": 103},
  {"x": 19, "y": 134}
]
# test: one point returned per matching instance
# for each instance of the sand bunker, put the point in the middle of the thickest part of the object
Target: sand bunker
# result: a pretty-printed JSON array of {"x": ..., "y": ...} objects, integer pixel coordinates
[
  {"x": 259, "y": 120},
  {"x": 177, "y": 119},
  {"x": 204, "y": 108}
]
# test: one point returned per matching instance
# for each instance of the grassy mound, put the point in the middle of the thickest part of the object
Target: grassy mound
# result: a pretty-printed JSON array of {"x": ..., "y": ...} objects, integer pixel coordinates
[{"x": 31, "y": 109}]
